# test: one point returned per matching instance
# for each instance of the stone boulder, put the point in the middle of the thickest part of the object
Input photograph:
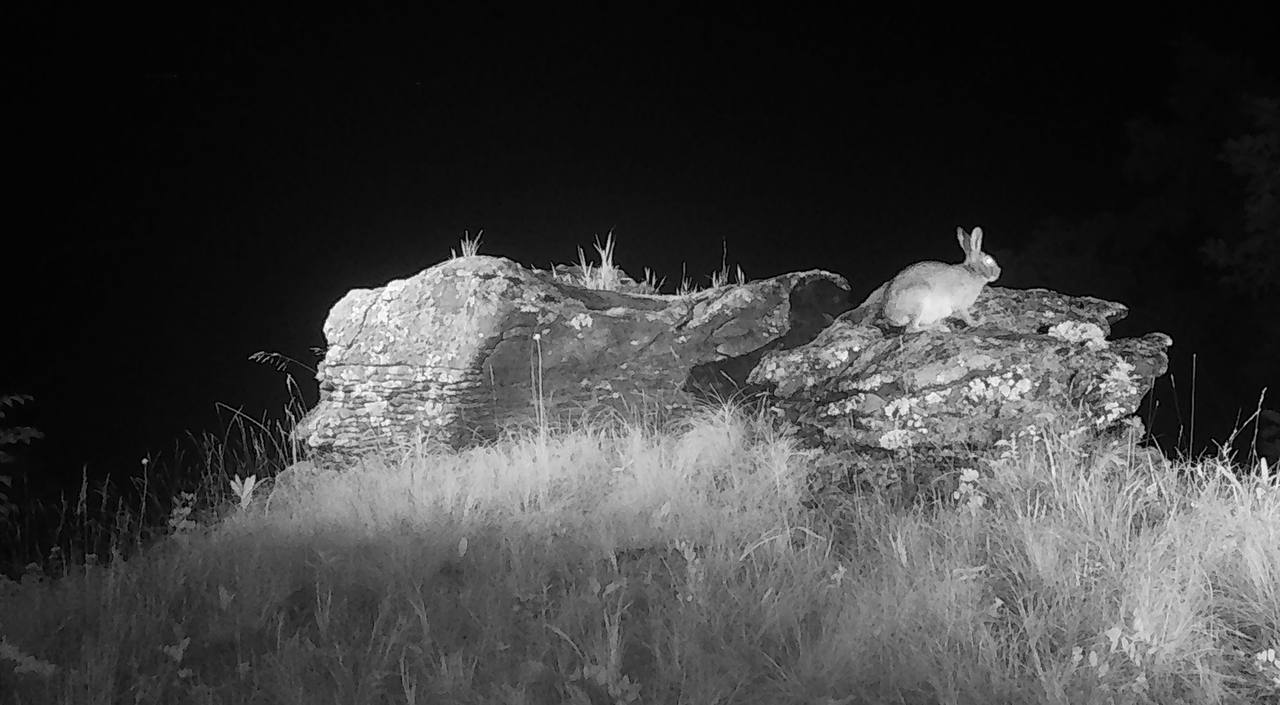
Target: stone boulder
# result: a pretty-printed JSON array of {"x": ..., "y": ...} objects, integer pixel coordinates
[
  {"x": 475, "y": 344},
  {"x": 880, "y": 402}
]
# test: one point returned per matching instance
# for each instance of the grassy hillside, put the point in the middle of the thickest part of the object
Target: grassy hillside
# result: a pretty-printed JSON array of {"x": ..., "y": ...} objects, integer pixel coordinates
[{"x": 639, "y": 561}]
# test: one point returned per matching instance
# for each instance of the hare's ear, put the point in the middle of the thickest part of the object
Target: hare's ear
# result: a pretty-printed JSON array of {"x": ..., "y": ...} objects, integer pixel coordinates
[
  {"x": 963, "y": 238},
  {"x": 975, "y": 240}
]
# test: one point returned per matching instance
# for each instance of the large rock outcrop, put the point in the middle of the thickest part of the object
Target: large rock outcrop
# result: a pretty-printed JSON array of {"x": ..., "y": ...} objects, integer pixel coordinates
[
  {"x": 877, "y": 399},
  {"x": 477, "y": 344},
  {"x": 474, "y": 344}
]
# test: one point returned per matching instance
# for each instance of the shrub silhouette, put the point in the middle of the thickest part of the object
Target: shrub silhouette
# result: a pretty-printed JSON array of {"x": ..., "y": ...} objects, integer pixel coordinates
[{"x": 10, "y": 436}]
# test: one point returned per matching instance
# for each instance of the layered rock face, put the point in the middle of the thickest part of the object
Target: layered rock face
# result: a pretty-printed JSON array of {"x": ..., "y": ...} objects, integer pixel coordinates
[{"x": 476, "y": 344}]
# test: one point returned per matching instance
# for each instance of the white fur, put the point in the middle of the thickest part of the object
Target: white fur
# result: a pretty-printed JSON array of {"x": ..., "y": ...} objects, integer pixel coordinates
[{"x": 925, "y": 294}]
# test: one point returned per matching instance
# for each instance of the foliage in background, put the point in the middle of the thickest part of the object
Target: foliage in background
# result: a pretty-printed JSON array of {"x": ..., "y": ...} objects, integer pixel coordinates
[
  {"x": 11, "y": 436},
  {"x": 1251, "y": 261},
  {"x": 99, "y": 521},
  {"x": 1199, "y": 251}
]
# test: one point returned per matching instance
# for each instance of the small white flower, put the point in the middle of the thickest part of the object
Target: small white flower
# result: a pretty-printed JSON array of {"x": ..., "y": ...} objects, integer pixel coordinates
[{"x": 838, "y": 576}]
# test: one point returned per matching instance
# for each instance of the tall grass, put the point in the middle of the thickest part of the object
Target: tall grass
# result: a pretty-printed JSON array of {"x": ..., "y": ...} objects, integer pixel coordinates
[
  {"x": 102, "y": 517},
  {"x": 629, "y": 561}
]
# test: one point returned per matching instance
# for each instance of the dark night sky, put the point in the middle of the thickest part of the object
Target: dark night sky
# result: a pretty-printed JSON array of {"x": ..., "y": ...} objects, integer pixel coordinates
[{"x": 196, "y": 188}]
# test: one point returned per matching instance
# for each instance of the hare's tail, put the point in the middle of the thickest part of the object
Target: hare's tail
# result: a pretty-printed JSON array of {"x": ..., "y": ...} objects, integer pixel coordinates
[{"x": 870, "y": 307}]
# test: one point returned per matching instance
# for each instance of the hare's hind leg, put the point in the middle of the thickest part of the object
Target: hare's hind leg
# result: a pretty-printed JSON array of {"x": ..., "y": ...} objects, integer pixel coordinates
[
  {"x": 916, "y": 326},
  {"x": 969, "y": 319}
]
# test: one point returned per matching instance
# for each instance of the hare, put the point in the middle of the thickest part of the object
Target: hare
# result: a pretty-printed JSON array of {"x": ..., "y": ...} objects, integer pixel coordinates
[{"x": 923, "y": 295}]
